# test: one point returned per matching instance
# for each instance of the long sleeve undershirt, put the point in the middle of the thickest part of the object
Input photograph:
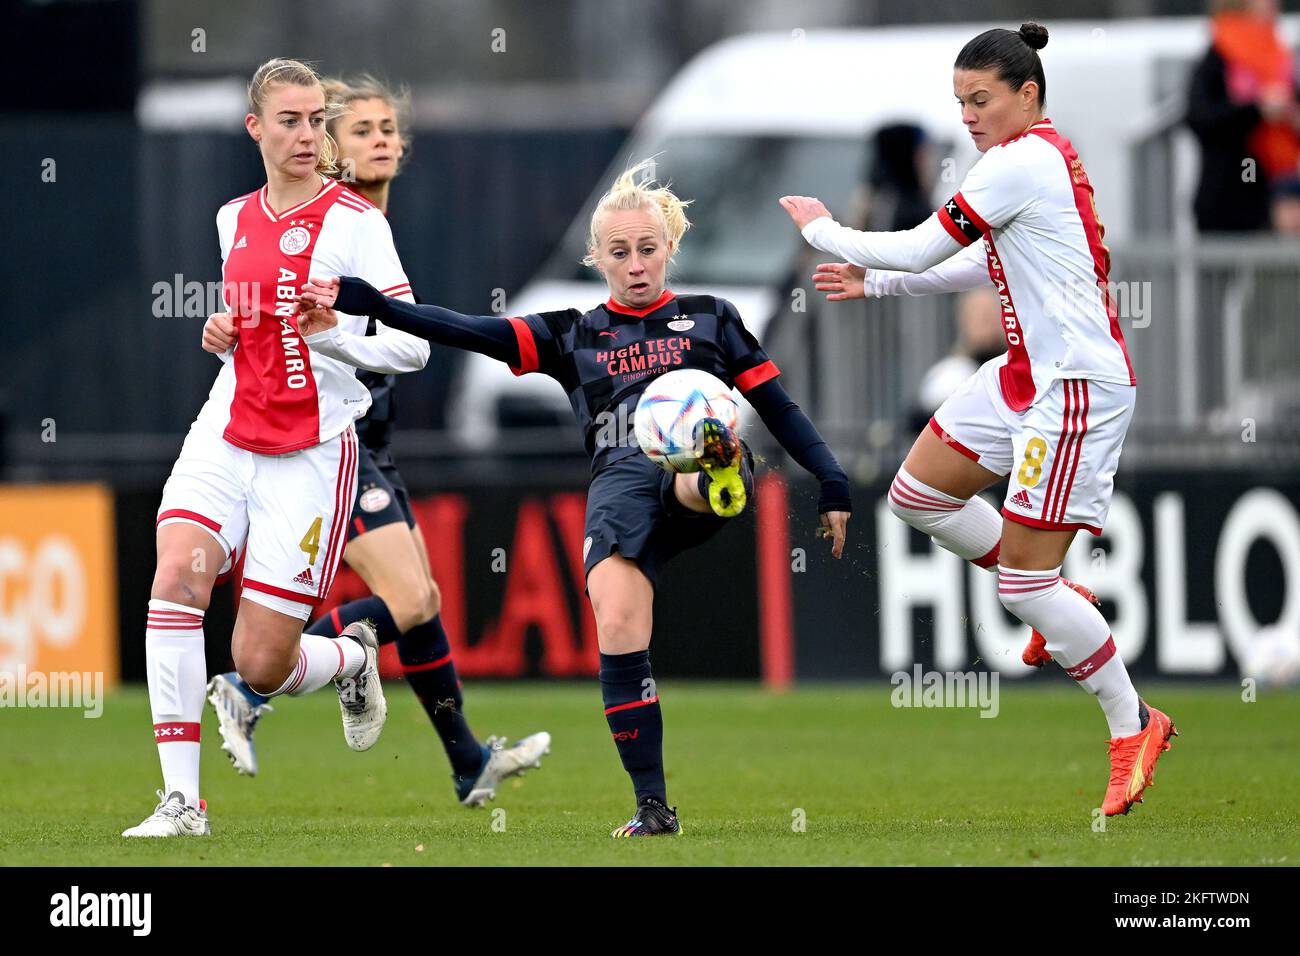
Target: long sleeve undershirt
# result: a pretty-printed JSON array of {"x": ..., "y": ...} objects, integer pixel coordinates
[
  {"x": 488, "y": 335},
  {"x": 912, "y": 250},
  {"x": 966, "y": 270},
  {"x": 390, "y": 351}
]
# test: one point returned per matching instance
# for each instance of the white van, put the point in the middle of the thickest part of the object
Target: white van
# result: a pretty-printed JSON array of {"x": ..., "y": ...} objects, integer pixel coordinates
[{"x": 758, "y": 116}]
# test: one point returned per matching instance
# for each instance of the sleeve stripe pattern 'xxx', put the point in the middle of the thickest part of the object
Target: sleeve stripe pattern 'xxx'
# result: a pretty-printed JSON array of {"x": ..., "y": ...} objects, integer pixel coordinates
[
  {"x": 400, "y": 289},
  {"x": 756, "y": 376},
  {"x": 527, "y": 347},
  {"x": 960, "y": 220}
]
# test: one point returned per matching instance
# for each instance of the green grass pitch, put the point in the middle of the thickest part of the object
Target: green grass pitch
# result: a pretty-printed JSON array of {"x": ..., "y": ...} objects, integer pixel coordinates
[{"x": 872, "y": 784}]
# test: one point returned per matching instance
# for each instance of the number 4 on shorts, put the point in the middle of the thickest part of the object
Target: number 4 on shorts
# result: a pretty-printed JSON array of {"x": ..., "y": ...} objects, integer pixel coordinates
[{"x": 310, "y": 543}]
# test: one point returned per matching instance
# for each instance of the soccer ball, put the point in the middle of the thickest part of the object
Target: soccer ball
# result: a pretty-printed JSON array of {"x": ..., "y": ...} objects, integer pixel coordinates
[
  {"x": 1273, "y": 657},
  {"x": 669, "y": 410}
]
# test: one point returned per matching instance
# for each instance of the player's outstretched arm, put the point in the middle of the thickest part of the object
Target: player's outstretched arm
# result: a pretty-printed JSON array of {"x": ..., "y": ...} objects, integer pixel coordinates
[
  {"x": 911, "y": 250},
  {"x": 842, "y": 280},
  {"x": 486, "y": 334},
  {"x": 799, "y": 436},
  {"x": 388, "y": 351}
]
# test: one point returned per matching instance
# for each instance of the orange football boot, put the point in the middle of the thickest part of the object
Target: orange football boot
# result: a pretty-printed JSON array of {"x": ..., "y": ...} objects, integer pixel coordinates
[
  {"x": 1133, "y": 762},
  {"x": 1035, "y": 652}
]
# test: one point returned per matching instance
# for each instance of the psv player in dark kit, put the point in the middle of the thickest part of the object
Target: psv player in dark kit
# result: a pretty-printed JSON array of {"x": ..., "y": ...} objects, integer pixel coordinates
[{"x": 638, "y": 515}]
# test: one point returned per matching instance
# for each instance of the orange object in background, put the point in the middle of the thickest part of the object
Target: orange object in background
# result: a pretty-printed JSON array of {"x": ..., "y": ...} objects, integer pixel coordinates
[{"x": 58, "y": 580}]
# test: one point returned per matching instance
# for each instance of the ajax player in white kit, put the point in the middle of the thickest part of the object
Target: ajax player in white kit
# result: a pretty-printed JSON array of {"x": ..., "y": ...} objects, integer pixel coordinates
[
  {"x": 1052, "y": 412},
  {"x": 269, "y": 467}
]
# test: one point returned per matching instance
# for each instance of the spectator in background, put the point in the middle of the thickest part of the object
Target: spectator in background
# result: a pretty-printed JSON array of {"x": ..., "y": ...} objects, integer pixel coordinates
[
  {"x": 1242, "y": 104},
  {"x": 895, "y": 193},
  {"x": 979, "y": 338}
]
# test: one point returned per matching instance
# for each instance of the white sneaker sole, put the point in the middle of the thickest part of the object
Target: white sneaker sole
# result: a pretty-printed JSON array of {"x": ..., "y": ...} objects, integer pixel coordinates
[
  {"x": 244, "y": 762},
  {"x": 148, "y": 829},
  {"x": 481, "y": 795},
  {"x": 364, "y": 735}
]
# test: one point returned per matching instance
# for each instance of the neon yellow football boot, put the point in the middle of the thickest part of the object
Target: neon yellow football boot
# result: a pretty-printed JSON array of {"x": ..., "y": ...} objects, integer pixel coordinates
[{"x": 722, "y": 458}]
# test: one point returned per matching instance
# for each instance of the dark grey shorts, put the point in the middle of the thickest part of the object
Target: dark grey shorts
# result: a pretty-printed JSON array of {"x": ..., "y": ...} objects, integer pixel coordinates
[
  {"x": 382, "y": 498},
  {"x": 632, "y": 510}
]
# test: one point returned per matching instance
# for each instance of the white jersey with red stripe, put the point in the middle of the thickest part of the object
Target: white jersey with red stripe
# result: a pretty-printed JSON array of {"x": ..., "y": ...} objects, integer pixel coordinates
[
  {"x": 1031, "y": 205},
  {"x": 275, "y": 394}
]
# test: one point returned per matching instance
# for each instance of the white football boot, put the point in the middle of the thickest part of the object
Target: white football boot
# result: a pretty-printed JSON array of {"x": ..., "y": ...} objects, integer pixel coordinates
[
  {"x": 173, "y": 817},
  {"x": 505, "y": 762},
  {"x": 361, "y": 698},
  {"x": 236, "y": 717}
]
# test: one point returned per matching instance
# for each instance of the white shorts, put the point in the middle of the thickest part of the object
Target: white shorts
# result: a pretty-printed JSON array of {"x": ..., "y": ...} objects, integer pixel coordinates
[
  {"x": 1061, "y": 452},
  {"x": 287, "y": 514}
]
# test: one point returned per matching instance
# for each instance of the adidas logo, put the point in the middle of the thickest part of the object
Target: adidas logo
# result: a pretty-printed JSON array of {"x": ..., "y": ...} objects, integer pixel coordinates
[
  {"x": 1021, "y": 500},
  {"x": 242, "y": 243},
  {"x": 305, "y": 578}
]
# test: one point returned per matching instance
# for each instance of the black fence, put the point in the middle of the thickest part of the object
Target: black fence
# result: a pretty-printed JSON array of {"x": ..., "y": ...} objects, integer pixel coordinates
[
  {"x": 107, "y": 225},
  {"x": 1193, "y": 566}
]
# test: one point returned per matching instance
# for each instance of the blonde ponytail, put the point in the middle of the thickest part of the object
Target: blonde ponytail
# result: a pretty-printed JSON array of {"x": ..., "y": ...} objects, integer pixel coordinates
[{"x": 282, "y": 70}]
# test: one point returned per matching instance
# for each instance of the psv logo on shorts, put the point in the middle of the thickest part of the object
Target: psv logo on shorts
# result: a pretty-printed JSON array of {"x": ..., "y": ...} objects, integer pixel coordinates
[
  {"x": 294, "y": 240},
  {"x": 374, "y": 499}
]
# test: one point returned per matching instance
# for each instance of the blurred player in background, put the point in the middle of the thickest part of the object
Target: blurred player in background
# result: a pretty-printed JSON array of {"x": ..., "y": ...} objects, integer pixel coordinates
[
  {"x": 384, "y": 543},
  {"x": 1053, "y": 410},
  {"x": 269, "y": 467},
  {"x": 639, "y": 516}
]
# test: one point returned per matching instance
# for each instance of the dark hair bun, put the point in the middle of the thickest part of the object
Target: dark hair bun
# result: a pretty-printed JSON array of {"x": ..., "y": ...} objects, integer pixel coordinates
[{"x": 1034, "y": 34}]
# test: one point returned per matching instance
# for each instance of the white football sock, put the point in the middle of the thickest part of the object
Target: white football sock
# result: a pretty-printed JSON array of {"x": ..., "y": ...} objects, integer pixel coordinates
[
  {"x": 178, "y": 678},
  {"x": 1078, "y": 639},
  {"x": 320, "y": 660},
  {"x": 971, "y": 529}
]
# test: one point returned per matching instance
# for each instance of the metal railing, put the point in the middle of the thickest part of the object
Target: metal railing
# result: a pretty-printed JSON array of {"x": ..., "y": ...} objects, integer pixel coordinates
[{"x": 1212, "y": 328}]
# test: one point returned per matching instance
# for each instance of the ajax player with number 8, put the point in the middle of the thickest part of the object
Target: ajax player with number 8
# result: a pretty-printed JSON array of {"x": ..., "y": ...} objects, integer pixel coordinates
[
  {"x": 1053, "y": 411},
  {"x": 639, "y": 516},
  {"x": 269, "y": 467}
]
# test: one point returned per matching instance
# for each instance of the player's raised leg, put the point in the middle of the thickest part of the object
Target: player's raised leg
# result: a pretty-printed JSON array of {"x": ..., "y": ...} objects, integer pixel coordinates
[
  {"x": 936, "y": 490},
  {"x": 189, "y": 557},
  {"x": 275, "y": 657},
  {"x": 623, "y": 600},
  {"x": 298, "y": 507}
]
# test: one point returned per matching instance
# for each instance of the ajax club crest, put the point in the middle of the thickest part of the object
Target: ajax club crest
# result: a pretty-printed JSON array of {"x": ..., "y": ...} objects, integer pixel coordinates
[{"x": 294, "y": 241}]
